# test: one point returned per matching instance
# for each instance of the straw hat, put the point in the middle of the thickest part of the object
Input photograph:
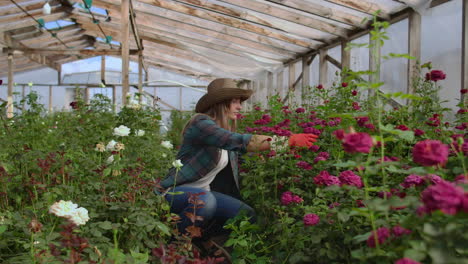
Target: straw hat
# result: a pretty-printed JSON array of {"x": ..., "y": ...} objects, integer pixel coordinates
[{"x": 220, "y": 90}]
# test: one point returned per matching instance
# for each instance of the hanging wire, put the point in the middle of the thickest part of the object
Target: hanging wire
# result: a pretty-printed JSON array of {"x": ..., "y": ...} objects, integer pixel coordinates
[
  {"x": 96, "y": 22},
  {"x": 41, "y": 24}
]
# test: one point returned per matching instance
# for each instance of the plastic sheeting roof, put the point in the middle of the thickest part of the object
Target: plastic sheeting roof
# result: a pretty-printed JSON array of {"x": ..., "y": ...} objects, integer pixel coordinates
[{"x": 199, "y": 38}]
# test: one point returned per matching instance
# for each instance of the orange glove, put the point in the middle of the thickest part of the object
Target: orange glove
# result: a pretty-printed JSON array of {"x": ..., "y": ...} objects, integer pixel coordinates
[{"x": 302, "y": 140}]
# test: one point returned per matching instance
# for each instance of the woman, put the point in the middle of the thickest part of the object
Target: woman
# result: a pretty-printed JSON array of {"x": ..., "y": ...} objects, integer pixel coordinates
[{"x": 209, "y": 154}]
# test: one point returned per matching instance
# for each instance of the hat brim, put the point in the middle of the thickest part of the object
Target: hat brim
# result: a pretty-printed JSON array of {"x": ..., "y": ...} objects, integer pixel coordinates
[{"x": 220, "y": 95}]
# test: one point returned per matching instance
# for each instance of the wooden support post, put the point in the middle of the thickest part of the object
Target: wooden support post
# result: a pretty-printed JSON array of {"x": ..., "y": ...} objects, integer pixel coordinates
[
  {"x": 140, "y": 78},
  {"x": 464, "y": 68},
  {"x": 323, "y": 68},
  {"x": 305, "y": 77},
  {"x": 374, "y": 63},
  {"x": 23, "y": 95},
  {"x": 269, "y": 85},
  {"x": 345, "y": 56},
  {"x": 50, "y": 99},
  {"x": 414, "y": 48},
  {"x": 86, "y": 96},
  {"x": 10, "y": 87},
  {"x": 125, "y": 11},
  {"x": 180, "y": 98},
  {"x": 114, "y": 98},
  {"x": 279, "y": 84},
  {"x": 103, "y": 69},
  {"x": 59, "y": 75}
]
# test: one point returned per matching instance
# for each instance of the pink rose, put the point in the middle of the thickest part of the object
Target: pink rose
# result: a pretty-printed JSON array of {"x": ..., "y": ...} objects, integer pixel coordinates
[
  {"x": 444, "y": 196},
  {"x": 357, "y": 142},
  {"x": 406, "y": 261},
  {"x": 349, "y": 178},
  {"x": 311, "y": 219},
  {"x": 413, "y": 180},
  {"x": 430, "y": 152},
  {"x": 324, "y": 178},
  {"x": 382, "y": 235}
]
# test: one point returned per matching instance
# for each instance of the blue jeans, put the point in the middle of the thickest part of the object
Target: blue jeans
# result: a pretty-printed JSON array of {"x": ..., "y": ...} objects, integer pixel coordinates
[{"x": 215, "y": 211}]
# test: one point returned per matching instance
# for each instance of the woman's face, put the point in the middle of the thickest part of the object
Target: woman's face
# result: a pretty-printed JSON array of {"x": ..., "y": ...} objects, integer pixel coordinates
[{"x": 234, "y": 109}]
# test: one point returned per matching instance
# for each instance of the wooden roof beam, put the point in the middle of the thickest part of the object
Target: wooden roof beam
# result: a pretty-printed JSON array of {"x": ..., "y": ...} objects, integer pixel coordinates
[
  {"x": 223, "y": 19},
  {"x": 88, "y": 52},
  {"x": 20, "y": 15},
  {"x": 291, "y": 16},
  {"x": 365, "y": 6},
  {"x": 65, "y": 31},
  {"x": 179, "y": 63},
  {"x": 26, "y": 22},
  {"x": 174, "y": 22},
  {"x": 34, "y": 57},
  {"x": 322, "y": 11},
  {"x": 225, "y": 44},
  {"x": 28, "y": 6},
  {"x": 180, "y": 71}
]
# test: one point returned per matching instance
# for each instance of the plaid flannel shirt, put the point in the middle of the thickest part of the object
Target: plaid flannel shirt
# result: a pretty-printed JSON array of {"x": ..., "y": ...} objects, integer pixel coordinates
[{"x": 201, "y": 150}]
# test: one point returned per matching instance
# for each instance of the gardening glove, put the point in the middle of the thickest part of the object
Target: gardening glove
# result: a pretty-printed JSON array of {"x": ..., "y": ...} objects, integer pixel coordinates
[{"x": 302, "y": 140}]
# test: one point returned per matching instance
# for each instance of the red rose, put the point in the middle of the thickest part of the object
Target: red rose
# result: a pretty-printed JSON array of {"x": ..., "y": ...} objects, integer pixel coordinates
[
  {"x": 430, "y": 152},
  {"x": 435, "y": 75},
  {"x": 344, "y": 84}
]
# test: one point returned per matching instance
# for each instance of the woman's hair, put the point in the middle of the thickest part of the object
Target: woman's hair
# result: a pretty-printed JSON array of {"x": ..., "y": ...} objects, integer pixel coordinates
[{"x": 219, "y": 113}]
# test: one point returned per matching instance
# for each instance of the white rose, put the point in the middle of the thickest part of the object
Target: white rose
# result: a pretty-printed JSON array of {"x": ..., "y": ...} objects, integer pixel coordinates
[
  {"x": 111, "y": 145},
  {"x": 167, "y": 144},
  {"x": 121, "y": 131},
  {"x": 63, "y": 208},
  {"x": 110, "y": 159},
  {"x": 140, "y": 133},
  {"x": 80, "y": 216},
  {"x": 177, "y": 164}
]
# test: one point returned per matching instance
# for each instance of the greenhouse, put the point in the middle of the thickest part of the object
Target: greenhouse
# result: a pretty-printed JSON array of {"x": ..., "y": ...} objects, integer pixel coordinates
[{"x": 234, "y": 131}]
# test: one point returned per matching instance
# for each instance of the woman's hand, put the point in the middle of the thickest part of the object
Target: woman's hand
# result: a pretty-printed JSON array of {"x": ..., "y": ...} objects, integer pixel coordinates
[{"x": 302, "y": 140}]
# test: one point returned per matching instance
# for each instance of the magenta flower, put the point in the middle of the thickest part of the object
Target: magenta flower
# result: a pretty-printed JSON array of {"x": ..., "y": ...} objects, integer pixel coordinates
[
  {"x": 304, "y": 165},
  {"x": 402, "y": 127},
  {"x": 435, "y": 75},
  {"x": 349, "y": 178},
  {"x": 300, "y": 110},
  {"x": 311, "y": 219},
  {"x": 339, "y": 134},
  {"x": 382, "y": 235},
  {"x": 362, "y": 120},
  {"x": 430, "y": 152},
  {"x": 257, "y": 108},
  {"x": 406, "y": 261},
  {"x": 444, "y": 196},
  {"x": 399, "y": 231},
  {"x": 324, "y": 178},
  {"x": 412, "y": 180},
  {"x": 461, "y": 179},
  {"x": 314, "y": 148},
  {"x": 344, "y": 84},
  {"x": 288, "y": 198},
  {"x": 356, "y": 106},
  {"x": 320, "y": 87},
  {"x": 464, "y": 91},
  {"x": 357, "y": 142},
  {"x": 433, "y": 179},
  {"x": 354, "y": 92},
  {"x": 418, "y": 132}
]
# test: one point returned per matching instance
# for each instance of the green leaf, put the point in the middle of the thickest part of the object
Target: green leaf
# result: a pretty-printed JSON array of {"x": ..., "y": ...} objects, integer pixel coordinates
[
  {"x": 414, "y": 254},
  {"x": 3, "y": 228},
  {"x": 164, "y": 228},
  {"x": 106, "y": 225},
  {"x": 346, "y": 164},
  {"x": 343, "y": 216}
]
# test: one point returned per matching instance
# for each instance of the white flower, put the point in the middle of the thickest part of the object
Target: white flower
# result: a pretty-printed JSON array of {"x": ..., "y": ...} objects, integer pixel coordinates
[
  {"x": 164, "y": 155},
  {"x": 63, "y": 208},
  {"x": 177, "y": 164},
  {"x": 140, "y": 133},
  {"x": 111, "y": 145},
  {"x": 121, "y": 131},
  {"x": 79, "y": 216},
  {"x": 167, "y": 144},
  {"x": 110, "y": 159}
]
